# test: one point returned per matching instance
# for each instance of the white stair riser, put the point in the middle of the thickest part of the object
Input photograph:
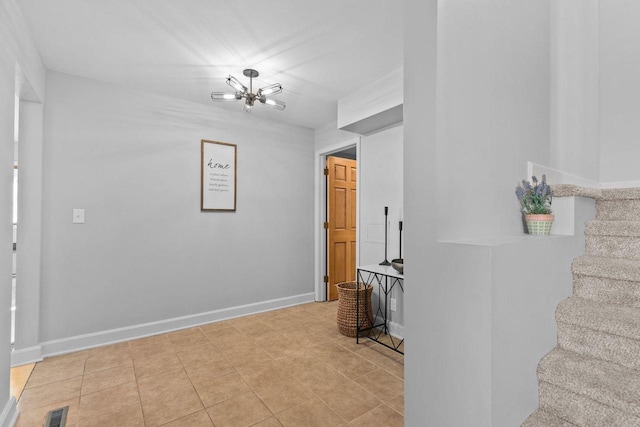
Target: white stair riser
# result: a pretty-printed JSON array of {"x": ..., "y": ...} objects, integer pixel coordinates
[
  {"x": 613, "y": 246},
  {"x": 601, "y": 345},
  {"x": 608, "y": 291},
  {"x": 582, "y": 411},
  {"x": 618, "y": 210}
]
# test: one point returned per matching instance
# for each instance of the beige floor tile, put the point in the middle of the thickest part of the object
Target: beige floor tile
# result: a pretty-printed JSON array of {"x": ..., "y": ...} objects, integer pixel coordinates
[
  {"x": 348, "y": 400},
  {"x": 329, "y": 350},
  {"x": 352, "y": 365},
  {"x": 397, "y": 403},
  {"x": 19, "y": 377},
  {"x": 351, "y": 344},
  {"x": 278, "y": 346},
  {"x": 261, "y": 374},
  {"x": 379, "y": 355},
  {"x": 36, "y": 416},
  {"x": 157, "y": 364},
  {"x": 167, "y": 397},
  {"x": 50, "y": 393},
  {"x": 107, "y": 357},
  {"x": 108, "y": 402},
  {"x": 217, "y": 389},
  {"x": 125, "y": 416},
  {"x": 150, "y": 346},
  {"x": 379, "y": 416},
  {"x": 202, "y": 354},
  {"x": 312, "y": 413},
  {"x": 204, "y": 372},
  {"x": 269, "y": 422},
  {"x": 297, "y": 364},
  {"x": 245, "y": 357},
  {"x": 396, "y": 369},
  {"x": 107, "y": 378},
  {"x": 284, "y": 393},
  {"x": 56, "y": 369},
  {"x": 198, "y": 419},
  {"x": 186, "y": 338},
  {"x": 382, "y": 384},
  {"x": 244, "y": 410}
]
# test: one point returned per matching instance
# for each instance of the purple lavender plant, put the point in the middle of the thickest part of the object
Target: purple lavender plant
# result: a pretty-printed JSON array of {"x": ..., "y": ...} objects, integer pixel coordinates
[{"x": 535, "y": 199}]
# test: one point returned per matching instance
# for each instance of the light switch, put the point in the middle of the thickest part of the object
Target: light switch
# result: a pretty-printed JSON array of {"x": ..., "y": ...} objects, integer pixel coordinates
[{"x": 78, "y": 216}]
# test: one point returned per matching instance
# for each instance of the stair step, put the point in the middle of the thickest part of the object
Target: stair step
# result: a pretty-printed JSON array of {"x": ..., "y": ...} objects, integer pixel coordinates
[
  {"x": 607, "y": 291},
  {"x": 618, "y": 210},
  {"x": 541, "y": 418},
  {"x": 607, "y": 268},
  {"x": 588, "y": 391},
  {"x": 613, "y": 246},
  {"x": 608, "y": 332},
  {"x": 582, "y": 411},
  {"x": 613, "y": 228},
  {"x": 620, "y": 193},
  {"x": 614, "y": 319}
]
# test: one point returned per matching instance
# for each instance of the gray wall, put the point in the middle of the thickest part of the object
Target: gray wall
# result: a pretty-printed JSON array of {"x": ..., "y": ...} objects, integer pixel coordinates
[
  {"x": 619, "y": 90},
  {"x": 476, "y": 112},
  {"x": 146, "y": 252}
]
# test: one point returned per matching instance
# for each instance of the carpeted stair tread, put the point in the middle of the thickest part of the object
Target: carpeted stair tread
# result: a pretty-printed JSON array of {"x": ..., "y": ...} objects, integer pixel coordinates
[
  {"x": 612, "y": 319},
  {"x": 581, "y": 410},
  {"x": 612, "y": 268},
  {"x": 607, "y": 383},
  {"x": 570, "y": 190},
  {"x": 607, "y": 290},
  {"x": 618, "y": 210},
  {"x": 541, "y": 418},
  {"x": 613, "y": 228},
  {"x": 620, "y": 193}
]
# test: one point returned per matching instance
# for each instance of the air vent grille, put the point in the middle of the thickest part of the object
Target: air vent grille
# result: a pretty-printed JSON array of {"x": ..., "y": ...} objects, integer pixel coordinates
[{"x": 57, "y": 417}]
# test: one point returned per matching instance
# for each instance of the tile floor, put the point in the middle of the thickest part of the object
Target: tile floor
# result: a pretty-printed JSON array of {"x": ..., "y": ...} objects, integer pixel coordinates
[{"x": 288, "y": 367}]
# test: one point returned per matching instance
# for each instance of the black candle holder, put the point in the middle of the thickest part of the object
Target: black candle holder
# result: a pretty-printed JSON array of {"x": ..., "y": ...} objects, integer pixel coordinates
[
  {"x": 400, "y": 240},
  {"x": 386, "y": 214}
]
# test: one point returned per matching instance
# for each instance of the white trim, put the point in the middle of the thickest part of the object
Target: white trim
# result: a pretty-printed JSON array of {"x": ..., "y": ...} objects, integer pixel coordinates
[
  {"x": 396, "y": 329},
  {"x": 556, "y": 176},
  {"x": 83, "y": 342},
  {"x": 320, "y": 251},
  {"x": 26, "y": 355},
  {"x": 9, "y": 414}
]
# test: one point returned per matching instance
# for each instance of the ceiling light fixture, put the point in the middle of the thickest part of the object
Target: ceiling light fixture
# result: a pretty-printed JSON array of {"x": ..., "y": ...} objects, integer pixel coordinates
[{"x": 242, "y": 92}]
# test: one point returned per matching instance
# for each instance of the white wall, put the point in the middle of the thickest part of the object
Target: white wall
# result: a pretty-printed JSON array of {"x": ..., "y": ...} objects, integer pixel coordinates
[
  {"x": 380, "y": 185},
  {"x": 493, "y": 115},
  {"x": 146, "y": 252},
  {"x": 466, "y": 145},
  {"x": 20, "y": 69},
  {"x": 619, "y": 90},
  {"x": 575, "y": 87}
]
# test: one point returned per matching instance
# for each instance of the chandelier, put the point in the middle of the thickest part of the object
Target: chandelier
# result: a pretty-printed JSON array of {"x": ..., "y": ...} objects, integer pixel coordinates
[{"x": 242, "y": 92}]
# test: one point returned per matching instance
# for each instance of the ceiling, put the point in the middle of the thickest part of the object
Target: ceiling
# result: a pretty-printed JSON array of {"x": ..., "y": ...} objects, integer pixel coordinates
[{"x": 319, "y": 51}]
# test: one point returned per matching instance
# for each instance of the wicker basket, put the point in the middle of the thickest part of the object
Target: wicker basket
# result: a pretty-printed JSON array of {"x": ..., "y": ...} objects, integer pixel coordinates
[{"x": 348, "y": 310}]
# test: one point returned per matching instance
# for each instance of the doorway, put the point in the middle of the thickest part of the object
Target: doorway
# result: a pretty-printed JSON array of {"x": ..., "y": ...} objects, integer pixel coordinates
[{"x": 341, "y": 219}]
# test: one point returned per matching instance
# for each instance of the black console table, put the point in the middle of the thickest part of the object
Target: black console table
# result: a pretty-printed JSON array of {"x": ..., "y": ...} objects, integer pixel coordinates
[{"x": 385, "y": 278}]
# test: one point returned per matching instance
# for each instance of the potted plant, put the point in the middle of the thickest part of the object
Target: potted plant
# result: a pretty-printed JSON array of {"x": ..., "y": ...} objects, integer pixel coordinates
[{"x": 536, "y": 205}]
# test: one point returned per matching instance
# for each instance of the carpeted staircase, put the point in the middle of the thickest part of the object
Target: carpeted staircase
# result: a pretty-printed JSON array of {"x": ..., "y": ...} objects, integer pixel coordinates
[{"x": 592, "y": 378}]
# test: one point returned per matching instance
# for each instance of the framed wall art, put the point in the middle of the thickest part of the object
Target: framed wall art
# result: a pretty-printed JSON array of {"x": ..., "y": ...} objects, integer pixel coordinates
[{"x": 218, "y": 176}]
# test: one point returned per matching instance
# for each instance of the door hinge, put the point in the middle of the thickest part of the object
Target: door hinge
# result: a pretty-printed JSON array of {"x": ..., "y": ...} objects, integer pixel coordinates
[
  {"x": 326, "y": 225},
  {"x": 326, "y": 279},
  {"x": 326, "y": 171}
]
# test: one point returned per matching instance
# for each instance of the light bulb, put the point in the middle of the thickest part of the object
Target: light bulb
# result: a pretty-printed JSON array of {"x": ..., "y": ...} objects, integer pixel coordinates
[
  {"x": 270, "y": 90},
  {"x": 235, "y": 83}
]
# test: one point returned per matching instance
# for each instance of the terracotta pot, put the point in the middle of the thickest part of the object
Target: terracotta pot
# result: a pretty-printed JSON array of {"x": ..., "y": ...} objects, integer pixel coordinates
[{"x": 539, "y": 224}]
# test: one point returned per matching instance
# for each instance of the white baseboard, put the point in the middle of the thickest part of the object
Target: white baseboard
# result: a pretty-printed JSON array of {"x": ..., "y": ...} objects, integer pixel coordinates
[
  {"x": 556, "y": 176},
  {"x": 23, "y": 356},
  {"x": 9, "y": 414},
  {"x": 396, "y": 329},
  {"x": 83, "y": 342}
]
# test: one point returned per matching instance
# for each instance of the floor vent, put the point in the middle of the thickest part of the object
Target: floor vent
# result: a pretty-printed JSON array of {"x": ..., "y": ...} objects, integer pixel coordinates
[{"x": 57, "y": 417}]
